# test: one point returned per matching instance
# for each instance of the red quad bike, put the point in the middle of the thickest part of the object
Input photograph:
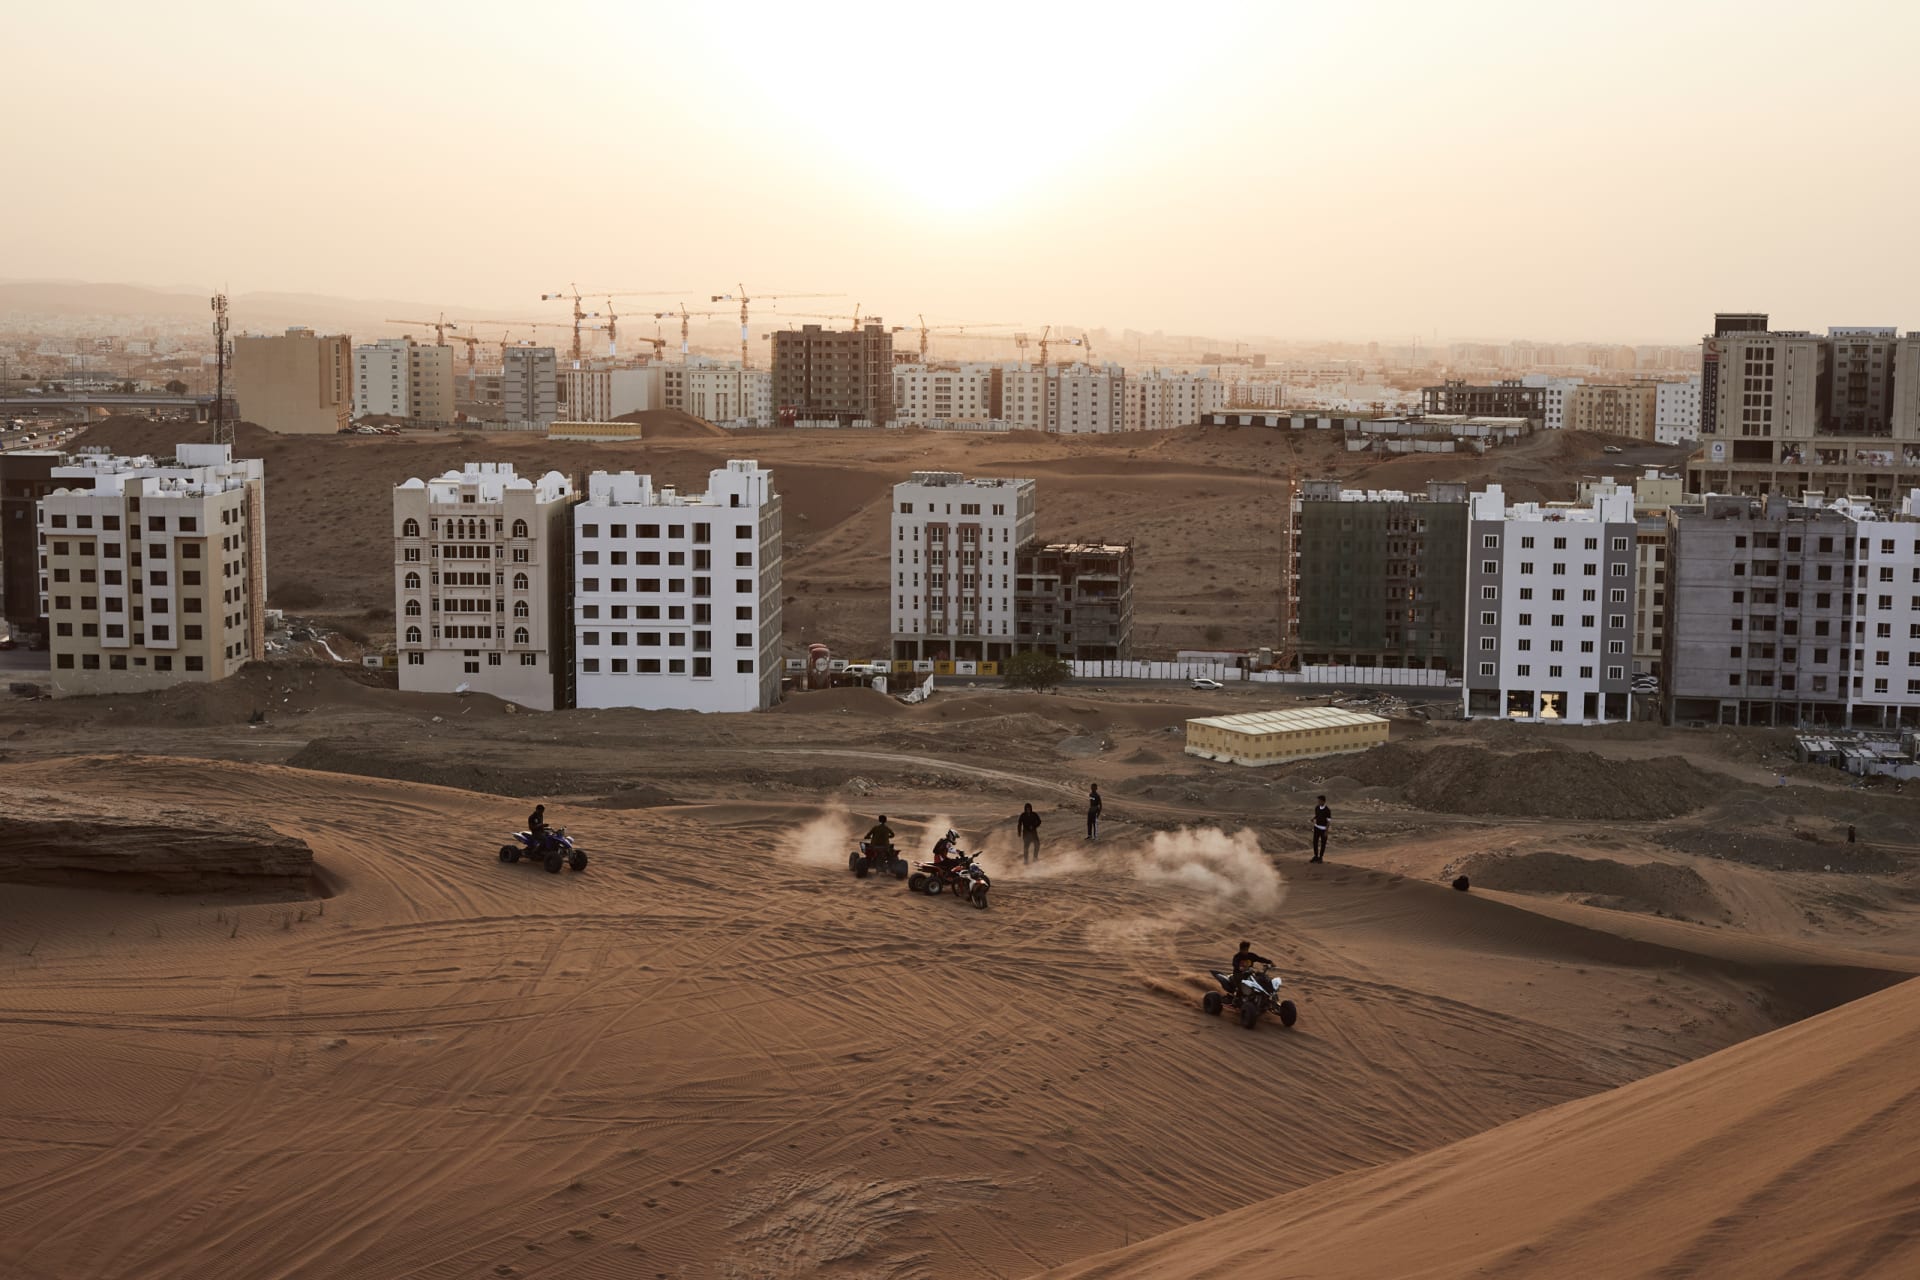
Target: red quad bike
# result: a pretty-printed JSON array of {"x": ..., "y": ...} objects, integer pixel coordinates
[
  {"x": 1249, "y": 996},
  {"x": 872, "y": 859},
  {"x": 960, "y": 875}
]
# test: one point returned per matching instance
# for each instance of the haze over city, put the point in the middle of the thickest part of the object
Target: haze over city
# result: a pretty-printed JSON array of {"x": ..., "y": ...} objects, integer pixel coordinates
[{"x": 1307, "y": 170}]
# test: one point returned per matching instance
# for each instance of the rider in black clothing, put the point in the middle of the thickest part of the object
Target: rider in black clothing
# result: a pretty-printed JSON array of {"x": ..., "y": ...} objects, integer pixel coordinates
[
  {"x": 1243, "y": 962},
  {"x": 537, "y": 828}
]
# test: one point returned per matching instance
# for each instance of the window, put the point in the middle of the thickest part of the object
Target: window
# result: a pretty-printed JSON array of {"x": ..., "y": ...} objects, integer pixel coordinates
[
  {"x": 1490, "y": 541},
  {"x": 416, "y": 659},
  {"x": 413, "y": 635},
  {"x": 1526, "y": 566},
  {"x": 519, "y": 528},
  {"x": 1489, "y": 593},
  {"x": 413, "y": 608},
  {"x": 195, "y": 663},
  {"x": 520, "y": 636},
  {"x": 1616, "y": 646},
  {"x": 1616, "y": 673},
  {"x": 1486, "y": 668},
  {"x": 520, "y": 609},
  {"x": 702, "y": 668},
  {"x": 412, "y": 581},
  {"x": 1489, "y": 566},
  {"x": 1487, "y": 644},
  {"x": 529, "y": 660},
  {"x": 519, "y": 582}
]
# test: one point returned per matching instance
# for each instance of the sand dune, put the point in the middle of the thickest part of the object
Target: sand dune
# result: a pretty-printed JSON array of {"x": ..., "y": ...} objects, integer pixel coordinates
[{"x": 716, "y": 1054}]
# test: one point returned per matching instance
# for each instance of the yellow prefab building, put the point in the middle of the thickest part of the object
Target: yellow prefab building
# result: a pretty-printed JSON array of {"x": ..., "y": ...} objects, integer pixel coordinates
[{"x": 1275, "y": 737}]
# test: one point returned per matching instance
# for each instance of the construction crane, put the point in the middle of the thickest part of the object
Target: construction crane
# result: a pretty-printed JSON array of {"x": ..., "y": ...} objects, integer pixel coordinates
[
  {"x": 742, "y": 298},
  {"x": 473, "y": 341},
  {"x": 684, "y": 316},
  {"x": 951, "y": 330},
  {"x": 439, "y": 327},
  {"x": 1046, "y": 339},
  {"x": 580, "y": 314}
]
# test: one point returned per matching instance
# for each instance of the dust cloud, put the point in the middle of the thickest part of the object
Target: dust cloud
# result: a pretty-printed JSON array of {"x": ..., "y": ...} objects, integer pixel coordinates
[{"x": 1210, "y": 860}]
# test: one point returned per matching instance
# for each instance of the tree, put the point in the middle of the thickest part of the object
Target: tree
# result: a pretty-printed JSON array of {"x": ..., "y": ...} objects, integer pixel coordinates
[
  {"x": 1035, "y": 670},
  {"x": 176, "y": 388}
]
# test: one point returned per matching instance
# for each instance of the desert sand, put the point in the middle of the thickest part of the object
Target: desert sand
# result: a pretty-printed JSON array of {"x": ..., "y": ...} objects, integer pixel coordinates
[{"x": 1675, "y": 1040}]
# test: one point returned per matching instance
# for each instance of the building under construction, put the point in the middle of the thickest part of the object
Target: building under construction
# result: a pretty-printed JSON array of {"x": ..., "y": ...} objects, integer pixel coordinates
[
  {"x": 1500, "y": 400},
  {"x": 1378, "y": 578},
  {"x": 1075, "y": 599},
  {"x": 829, "y": 375}
]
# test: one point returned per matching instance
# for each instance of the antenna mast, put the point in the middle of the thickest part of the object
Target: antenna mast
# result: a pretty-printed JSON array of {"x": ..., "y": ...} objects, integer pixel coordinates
[{"x": 222, "y": 429}]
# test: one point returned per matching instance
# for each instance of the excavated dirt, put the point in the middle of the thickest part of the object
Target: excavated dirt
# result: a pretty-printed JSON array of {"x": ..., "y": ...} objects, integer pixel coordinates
[
  {"x": 1656, "y": 888},
  {"x": 1534, "y": 784},
  {"x": 1782, "y": 853}
]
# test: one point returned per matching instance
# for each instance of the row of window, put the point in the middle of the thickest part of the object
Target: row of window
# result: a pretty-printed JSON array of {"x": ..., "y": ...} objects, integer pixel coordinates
[
  {"x": 675, "y": 639},
  {"x": 702, "y": 667},
  {"x": 118, "y": 662},
  {"x": 155, "y": 524},
  {"x": 701, "y": 532},
  {"x": 1491, "y": 541},
  {"x": 1553, "y": 672},
  {"x": 1559, "y": 569},
  {"x": 463, "y": 527}
]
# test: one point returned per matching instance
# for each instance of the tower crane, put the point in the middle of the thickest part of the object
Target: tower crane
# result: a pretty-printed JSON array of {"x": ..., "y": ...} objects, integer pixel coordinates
[
  {"x": 742, "y": 298},
  {"x": 474, "y": 341},
  {"x": 439, "y": 327},
  {"x": 580, "y": 314},
  {"x": 948, "y": 329},
  {"x": 1046, "y": 339},
  {"x": 684, "y": 316}
]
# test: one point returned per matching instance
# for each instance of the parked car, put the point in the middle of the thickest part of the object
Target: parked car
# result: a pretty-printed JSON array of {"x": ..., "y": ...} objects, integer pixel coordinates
[
  {"x": 1201, "y": 682},
  {"x": 1611, "y": 448}
]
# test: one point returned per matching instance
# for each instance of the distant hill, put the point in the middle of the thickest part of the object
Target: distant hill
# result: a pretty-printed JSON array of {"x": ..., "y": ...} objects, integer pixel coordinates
[{"x": 250, "y": 311}]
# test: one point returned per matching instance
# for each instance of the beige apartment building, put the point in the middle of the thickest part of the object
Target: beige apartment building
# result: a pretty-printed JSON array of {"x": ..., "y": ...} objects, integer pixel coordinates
[
  {"x": 153, "y": 572},
  {"x": 482, "y": 562},
  {"x": 298, "y": 383},
  {"x": 400, "y": 378},
  {"x": 1629, "y": 409}
]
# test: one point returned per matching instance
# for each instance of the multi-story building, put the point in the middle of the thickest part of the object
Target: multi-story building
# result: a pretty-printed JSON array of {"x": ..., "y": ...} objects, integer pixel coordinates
[
  {"x": 1676, "y": 411},
  {"x": 594, "y": 392},
  {"x": 1378, "y": 578},
  {"x": 481, "y": 561},
  {"x": 1073, "y": 399},
  {"x": 1075, "y": 599},
  {"x": 1613, "y": 408},
  {"x": 724, "y": 394},
  {"x": 1160, "y": 399},
  {"x": 1550, "y": 601},
  {"x": 298, "y": 383},
  {"x": 677, "y": 596},
  {"x": 1793, "y": 412},
  {"x": 834, "y": 375},
  {"x": 26, "y": 476},
  {"x": 953, "y": 544},
  {"x": 529, "y": 385},
  {"x": 153, "y": 572},
  {"x": 1802, "y": 613},
  {"x": 945, "y": 392},
  {"x": 1553, "y": 397},
  {"x": 399, "y": 378},
  {"x": 1513, "y": 399},
  {"x": 1649, "y": 592}
]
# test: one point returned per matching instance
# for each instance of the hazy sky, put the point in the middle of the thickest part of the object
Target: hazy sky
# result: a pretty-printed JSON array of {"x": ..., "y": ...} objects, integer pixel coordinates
[{"x": 1471, "y": 169}]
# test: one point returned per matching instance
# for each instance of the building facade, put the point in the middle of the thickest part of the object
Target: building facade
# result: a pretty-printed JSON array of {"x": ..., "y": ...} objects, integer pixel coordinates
[
  {"x": 26, "y": 476},
  {"x": 529, "y": 385},
  {"x": 1160, "y": 400},
  {"x": 1676, "y": 411},
  {"x": 153, "y": 572},
  {"x": 601, "y": 393},
  {"x": 1553, "y": 397},
  {"x": 1550, "y": 599},
  {"x": 1074, "y": 600},
  {"x": 481, "y": 561},
  {"x": 724, "y": 394},
  {"x": 944, "y": 392},
  {"x": 297, "y": 383},
  {"x": 834, "y": 375},
  {"x": 953, "y": 542},
  {"x": 399, "y": 378},
  {"x": 1793, "y": 613},
  {"x": 1514, "y": 399},
  {"x": 1614, "y": 409},
  {"x": 677, "y": 596},
  {"x": 1377, "y": 578}
]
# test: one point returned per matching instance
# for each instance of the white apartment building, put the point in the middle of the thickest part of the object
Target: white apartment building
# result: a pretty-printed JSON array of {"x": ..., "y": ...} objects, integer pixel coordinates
[
  {"x": 400, "y": 378},
  {"x": 943, "y": 392},
  {"x": 1885, "y": 685},
  {"x": 529, "y": 385},
  {"x": 724, "y": 394},
  {"x": 677, "y": 596},
  {"x": 601, "y": 393},
  {"x": 480, "y": 565},
  {"x": 953, "y": 546},
  {"x": 153, "y": 572},
  {"x": 1160, "y": 398},
  {"x": 1073, "y": 399},
  {"x": 1676, "y": 412},
  {"x": 1554, "y": 402},
  {"x": 1550, "y": 609}
]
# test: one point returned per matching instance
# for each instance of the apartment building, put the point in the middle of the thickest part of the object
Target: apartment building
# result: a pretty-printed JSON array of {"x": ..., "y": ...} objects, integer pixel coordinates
[
  {"x": 596, "y": 392},
  {"x": 1159, "y": 399},
  {"x": 1676, "y": 411},
  {"x": 399, "y": 378},
  {"x": 26, "y": 476},
  {"x": 945, "y": 392},
  {"x": 953, "y": 544},
  {"x": 481, "y": 562},
  {"x": 1794, "y": 613},
  {"x": 153, "y": 571},
  {"x": 1510, "y": 399},
  {"x": 529, "y": 385},
  {"x": 297, "y": 383},
  {"x": 837, "y": 375},
  {"x": 1550, "y": 601},
  {"x": 1618, "y": 409},
  {"x": 1793, "y": 412},
  {"x": 724, "y": 394},
  {"x": 1553, "y": 397},
  {"x": 1377, "y": 578},
  {"x": 677, "y": 596},
  {"x": 1074, "y": 599},
  {"x": 1073, "y": 399}
]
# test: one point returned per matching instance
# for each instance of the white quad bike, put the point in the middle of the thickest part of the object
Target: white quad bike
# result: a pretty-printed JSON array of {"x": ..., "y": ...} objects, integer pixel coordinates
[{"x": 1253, "y": 994}]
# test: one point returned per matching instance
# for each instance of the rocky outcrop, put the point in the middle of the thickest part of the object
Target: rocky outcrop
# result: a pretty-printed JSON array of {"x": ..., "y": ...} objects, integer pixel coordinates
[{"x": 89, "y": 841}]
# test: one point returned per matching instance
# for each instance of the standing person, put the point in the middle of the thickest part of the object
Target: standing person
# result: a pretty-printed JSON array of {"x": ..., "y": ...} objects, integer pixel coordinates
[
  {"x": 1322, "y": 818},
  {"x": 1094, "y": 805},
  {"x": 1029, "y": 835}
]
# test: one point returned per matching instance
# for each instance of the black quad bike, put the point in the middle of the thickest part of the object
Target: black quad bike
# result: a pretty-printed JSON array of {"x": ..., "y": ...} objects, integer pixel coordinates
[
  {"x": 1250, "y": 995},
  {"x": 873, "y": 859},
  {"x": 554, "y": 849}
]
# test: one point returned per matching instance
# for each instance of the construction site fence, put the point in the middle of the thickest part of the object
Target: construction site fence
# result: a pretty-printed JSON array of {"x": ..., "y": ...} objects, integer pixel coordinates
[{"x": 1375, "y": 677}]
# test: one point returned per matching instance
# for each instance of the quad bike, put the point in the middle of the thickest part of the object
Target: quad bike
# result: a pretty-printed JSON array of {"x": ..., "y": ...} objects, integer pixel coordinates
[
  {"x": 871, "y": 859},
  {"x": 1250, "y": 995},
  {"x": 959, "y": 875},
  {"x": 554, "y": 849}
]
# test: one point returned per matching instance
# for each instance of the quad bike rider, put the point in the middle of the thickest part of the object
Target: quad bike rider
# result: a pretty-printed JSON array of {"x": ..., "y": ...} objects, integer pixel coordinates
[
  {"x": 1248, "y": 991},
  {"x": 543, "y": 844},
  {"x": 951, "y": 869},
  {"x": 876, "y": 852}
]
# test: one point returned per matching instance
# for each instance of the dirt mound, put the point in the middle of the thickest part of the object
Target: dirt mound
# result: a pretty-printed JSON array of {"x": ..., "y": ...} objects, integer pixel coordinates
[
  {"x": 267, "y": 688},
  {"x": 1656, "y": 888},
  {"x": 370, "y": 759},
  {"x": 1533, "y": 784},
  {"x": 825, "y": 702},
  {"x": 639, "y": 796},
  {"x": 94, "y": 842},
  {"x": 670, "y": 424},
  {"x": 1782, "y": 853}
]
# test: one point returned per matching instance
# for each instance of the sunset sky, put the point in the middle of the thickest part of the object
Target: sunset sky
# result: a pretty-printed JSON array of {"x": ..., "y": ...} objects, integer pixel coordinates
[{"x": 1367, "y": 170}]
